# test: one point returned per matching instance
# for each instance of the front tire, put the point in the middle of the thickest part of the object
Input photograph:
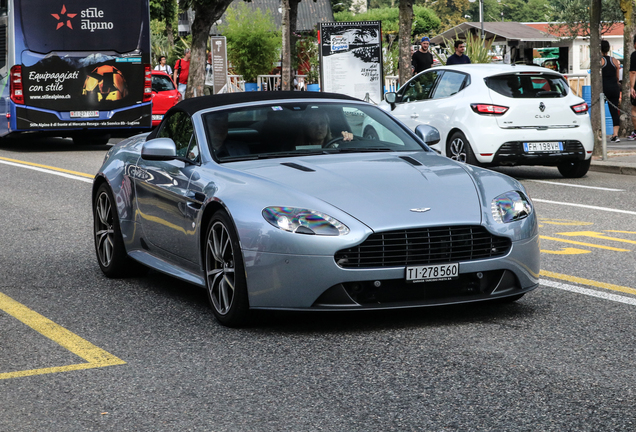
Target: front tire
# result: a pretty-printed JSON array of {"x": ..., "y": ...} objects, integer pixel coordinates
[
  {"x": 458, "y": 148},
  {"x": 576, "y": 169},
  {"x": 109, "y": 242},
  {"x": 225, "y": 272},
  {"x": 370, "y": 134}
]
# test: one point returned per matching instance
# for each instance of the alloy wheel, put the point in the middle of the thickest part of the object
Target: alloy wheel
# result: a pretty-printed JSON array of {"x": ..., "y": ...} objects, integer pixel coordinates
[
  {"x": 457, "y": 149},
  {"x": 104, "y": 232},
  {"x": 220, "y": 268}
]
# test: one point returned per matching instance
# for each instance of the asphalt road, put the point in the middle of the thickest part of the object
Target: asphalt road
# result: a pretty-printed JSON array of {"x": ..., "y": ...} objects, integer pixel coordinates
[{"x": 559, "y": 359}]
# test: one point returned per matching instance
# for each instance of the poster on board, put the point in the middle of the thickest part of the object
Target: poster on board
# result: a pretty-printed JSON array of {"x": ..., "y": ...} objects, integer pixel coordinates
[
  {"x": 218, "y": 68},
  {"x": 351, "y": 59}
]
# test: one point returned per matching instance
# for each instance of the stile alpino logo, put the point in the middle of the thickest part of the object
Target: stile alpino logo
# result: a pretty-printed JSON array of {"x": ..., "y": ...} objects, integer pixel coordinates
[{"x": 91, "y": 19}]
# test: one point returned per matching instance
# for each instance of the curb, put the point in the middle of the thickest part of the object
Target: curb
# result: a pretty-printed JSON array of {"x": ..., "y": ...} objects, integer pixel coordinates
[{"x": 614, "y": 167}]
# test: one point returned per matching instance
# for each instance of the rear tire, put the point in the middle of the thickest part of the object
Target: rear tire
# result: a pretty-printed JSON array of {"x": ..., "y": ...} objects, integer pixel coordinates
[
  {"x": 459, "y": 149},
  {"x": 576, "y": 169},
  {"x": 225, "y": 277}
]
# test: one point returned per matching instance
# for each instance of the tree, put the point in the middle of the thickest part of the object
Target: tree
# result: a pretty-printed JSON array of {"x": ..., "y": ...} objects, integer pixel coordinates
[
  {"x": 451, "y": 12},
  {"x": 406, "y": 25},
  {"x": 206, "y": 13},
  {"x": 572, "y": 18},
  {"x": 595, "y": 75},
  {"x": 167, "y": 12},
  {"x": 252, "y": 41},
  {"x": 288, "y": 28},
  {"x": 425, "y": 22}
]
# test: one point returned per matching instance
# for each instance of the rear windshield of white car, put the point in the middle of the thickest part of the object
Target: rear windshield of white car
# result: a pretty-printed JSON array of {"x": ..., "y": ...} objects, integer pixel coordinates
[
  {"x": 288, "y": 129},
  {"x": 528, "y": 85}
]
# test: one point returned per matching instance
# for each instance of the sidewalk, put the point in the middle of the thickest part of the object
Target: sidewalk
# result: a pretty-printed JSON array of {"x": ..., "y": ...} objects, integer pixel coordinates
[{"x": 621, "y": 158}]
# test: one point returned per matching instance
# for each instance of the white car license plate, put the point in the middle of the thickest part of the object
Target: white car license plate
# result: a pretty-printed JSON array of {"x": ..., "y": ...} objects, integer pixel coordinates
[
  {"x": 157, "y": 117},
  {"x": 84, "y": 114},
  {"x": 432, "y": 273},
  {"x": 530, "y": 147}
]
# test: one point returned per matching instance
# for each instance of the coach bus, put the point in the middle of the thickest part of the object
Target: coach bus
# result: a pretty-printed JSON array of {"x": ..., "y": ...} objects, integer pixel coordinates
[{"x": 75, "y": 68}]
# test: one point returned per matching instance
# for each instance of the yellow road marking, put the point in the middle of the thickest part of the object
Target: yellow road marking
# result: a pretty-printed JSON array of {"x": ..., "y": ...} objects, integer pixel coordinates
[
  {"x": 95, "y": 356},
  {"x": 624, "y": 232},
  {"x": 597, "y": 235},
  {"x": 563, "y": 222},
  {"x": 589, "y": 282},
  {"x": 584, "y": 244},
  {"x": 567, "y": 251},
  {"x": 77, "y": 173}
]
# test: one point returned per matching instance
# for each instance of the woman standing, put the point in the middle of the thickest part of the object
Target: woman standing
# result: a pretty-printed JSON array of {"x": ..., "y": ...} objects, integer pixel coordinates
[{"x": 610, "y": 68}]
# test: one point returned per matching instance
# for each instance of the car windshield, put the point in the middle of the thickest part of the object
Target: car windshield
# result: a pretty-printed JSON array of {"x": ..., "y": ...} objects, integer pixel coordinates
[
  {"x": 301, "y": 128},
  {"x": 161, "y": 83},
  {"x": 528, "y": 85}
]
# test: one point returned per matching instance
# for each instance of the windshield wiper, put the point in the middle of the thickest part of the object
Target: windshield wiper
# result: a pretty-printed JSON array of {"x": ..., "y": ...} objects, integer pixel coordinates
[{"x": 364, "y": 149}]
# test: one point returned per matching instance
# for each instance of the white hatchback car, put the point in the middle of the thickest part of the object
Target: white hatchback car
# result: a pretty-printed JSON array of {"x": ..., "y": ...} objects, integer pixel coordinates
[{"x": 497, "y": 114}]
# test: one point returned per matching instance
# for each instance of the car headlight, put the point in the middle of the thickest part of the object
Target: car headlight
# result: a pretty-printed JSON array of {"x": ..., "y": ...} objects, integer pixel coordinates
[
  {"x": 303, "y": 221},
  {"x": 511, "y": 206}
]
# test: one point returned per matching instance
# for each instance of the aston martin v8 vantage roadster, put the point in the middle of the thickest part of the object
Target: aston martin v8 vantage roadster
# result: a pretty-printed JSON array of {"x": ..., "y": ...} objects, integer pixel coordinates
[{"x": 277, "y": 200}]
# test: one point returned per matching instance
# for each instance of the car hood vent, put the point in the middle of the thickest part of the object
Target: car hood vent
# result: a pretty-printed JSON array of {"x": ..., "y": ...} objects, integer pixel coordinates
[
  {"x": 298, "y": 167},
  {"x": 410, "y": 160}
]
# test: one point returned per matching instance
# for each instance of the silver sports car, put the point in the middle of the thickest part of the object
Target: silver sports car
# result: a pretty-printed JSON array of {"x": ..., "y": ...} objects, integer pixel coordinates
[{"x": 277, "y": 200}]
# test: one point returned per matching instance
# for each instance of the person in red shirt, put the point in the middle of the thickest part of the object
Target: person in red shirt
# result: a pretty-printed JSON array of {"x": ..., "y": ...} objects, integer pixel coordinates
[{"x": 181, "y": 71}]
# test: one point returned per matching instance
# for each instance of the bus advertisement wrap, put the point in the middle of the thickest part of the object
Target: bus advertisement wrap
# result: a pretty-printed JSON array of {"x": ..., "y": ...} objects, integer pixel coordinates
[{"x": 79, "y": 64}]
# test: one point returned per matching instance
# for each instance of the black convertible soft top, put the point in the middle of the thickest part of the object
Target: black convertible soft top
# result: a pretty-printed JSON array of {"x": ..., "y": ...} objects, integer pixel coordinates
[{"x": 192, "y": 105}]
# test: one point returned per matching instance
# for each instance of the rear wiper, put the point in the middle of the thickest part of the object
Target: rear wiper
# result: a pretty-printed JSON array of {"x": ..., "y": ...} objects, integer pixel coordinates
[{"x": 548, "y": 93}]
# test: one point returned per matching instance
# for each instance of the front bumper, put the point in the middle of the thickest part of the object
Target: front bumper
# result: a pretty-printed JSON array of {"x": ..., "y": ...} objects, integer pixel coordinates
[{"x": 309, "y": 282}]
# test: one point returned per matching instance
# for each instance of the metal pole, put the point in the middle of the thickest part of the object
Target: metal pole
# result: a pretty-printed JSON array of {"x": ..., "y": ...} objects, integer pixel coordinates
[
  {"x": 481, "y": 18},
  {"x": 603, "y": 127}
]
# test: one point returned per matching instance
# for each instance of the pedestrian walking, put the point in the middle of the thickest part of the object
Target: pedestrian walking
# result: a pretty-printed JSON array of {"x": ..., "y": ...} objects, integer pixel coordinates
[
  {"x": 162, "y": 66},
  {"x": 422, "y": 59},
  {"x": 610, "y": 68},
  {"x": 181, "y": 72},
  {"x": 459, "y": 57}
]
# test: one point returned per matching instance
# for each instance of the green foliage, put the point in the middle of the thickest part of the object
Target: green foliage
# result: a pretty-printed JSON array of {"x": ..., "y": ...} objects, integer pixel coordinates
[
  {"x": 424, "y": 20},
  {"x": 576, "y": 16},
  {"x": 164, "y": 10},
  {"x": 451, "y": 11},
  {"x": 253, "y": 43},
  {"x": 341, "y": 5},
  {"x": 160, "y": 45},
  {"x": 308, "y": 58},
  {"x": 476, "y": 51}
]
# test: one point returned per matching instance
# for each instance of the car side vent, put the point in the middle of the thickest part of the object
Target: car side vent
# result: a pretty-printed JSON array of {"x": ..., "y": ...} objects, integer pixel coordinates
[
  {"x": 297, "y": 166},
  {"x": 410, "y": 160}
]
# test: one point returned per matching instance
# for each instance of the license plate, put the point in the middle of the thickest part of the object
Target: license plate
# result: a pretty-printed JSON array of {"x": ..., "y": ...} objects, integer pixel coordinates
[
  {"x": 84, "y": 114},
  {"x": 431, "y": 273},
  {"x": 530, "y": 147},
  {"x": 157, "y": 116}
]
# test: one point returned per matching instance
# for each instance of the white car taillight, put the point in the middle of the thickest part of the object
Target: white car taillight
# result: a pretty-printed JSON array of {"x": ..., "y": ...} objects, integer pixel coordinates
[
  {"x": 489, "y": 109},
  {"x": 580, "y": 108}
]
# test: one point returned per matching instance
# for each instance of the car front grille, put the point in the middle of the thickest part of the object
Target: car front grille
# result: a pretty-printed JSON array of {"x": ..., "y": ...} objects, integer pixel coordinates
[{"x": 423, "y": 246}]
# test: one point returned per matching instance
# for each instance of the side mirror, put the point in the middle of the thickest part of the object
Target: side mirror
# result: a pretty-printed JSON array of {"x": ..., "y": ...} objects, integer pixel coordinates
[
  {"x": 390, "y": 97},
  {"x": 428, "y": 134},
  {"x": 159, "y": 149}
]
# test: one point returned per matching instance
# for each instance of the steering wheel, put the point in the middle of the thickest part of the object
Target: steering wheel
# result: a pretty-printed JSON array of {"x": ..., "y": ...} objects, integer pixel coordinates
[{"x": 332, "y": 143}]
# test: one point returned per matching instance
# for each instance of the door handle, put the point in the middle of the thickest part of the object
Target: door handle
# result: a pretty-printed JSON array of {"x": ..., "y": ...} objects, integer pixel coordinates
[{"x": 414, "y": 115}]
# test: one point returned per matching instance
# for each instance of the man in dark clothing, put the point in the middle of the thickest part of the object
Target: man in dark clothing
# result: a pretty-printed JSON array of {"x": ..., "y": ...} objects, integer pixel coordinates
[
  {"x": 632, "y": 81},
  {"x": 459, "y": 57},
  {"x": 422, "y": 59}
]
